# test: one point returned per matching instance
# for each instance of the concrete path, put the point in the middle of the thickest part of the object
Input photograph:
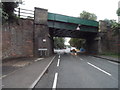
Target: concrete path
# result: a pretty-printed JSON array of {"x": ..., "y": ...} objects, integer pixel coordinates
[{"x": 27, "y": 77}]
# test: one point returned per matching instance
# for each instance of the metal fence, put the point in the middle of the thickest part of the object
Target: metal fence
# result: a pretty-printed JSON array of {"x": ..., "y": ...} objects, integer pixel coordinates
[
  {"x": 3, "y": 14},
  {"x": 24, "y": 13}
]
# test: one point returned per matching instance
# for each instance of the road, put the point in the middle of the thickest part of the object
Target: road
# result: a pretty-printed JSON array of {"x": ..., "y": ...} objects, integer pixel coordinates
[{"x": 70, "y": 71}]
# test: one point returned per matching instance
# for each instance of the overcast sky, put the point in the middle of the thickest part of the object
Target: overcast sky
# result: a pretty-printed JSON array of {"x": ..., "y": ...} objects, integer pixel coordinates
[{"x": 102, "y": 8}]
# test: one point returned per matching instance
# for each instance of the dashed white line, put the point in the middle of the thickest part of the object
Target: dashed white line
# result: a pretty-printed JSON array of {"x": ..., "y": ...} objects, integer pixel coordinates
[
  {"x": 81, "y": 59},
  {"x": 55, "y": 82},
  {"x": 58, "y": 63},
  {"x": 59, "y": 56},
  {"x": 99, "y": 69},
  {"x": 113, "y": 62}
]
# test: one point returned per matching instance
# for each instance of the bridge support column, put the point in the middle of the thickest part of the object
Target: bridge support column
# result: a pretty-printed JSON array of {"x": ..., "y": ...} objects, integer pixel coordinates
[
  {"x": 42, "y": 39},
  {"x": 92, "y": 46}
]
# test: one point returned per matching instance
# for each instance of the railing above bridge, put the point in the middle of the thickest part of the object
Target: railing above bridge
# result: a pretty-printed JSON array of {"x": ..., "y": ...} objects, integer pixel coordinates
[{"x": 24, "y": 13}]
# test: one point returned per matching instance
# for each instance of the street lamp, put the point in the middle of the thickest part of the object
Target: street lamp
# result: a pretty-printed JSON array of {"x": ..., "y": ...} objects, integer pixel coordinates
[{"x": 78, "y": 27}]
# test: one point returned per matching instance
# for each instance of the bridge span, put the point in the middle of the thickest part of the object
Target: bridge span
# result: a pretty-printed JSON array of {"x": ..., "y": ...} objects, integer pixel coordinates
[{"x": 48, "y": 25}]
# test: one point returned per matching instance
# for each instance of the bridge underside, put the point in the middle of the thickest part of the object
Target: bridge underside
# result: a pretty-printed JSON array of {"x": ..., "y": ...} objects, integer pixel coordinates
[{"x": 71, "y": 33}]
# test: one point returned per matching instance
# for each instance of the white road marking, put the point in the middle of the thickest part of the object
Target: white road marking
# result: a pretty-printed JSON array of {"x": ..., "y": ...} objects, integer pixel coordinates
[
  {"x": 3, "y": 85},
  {"x": 38, "y": 59},
  {"x": 99, "y": 69},
  {"x": 58, "y": 63},
  {"x": 113, "y": 62},
  {"x": 59, "y": 56},
  {"x": 35, "y": 82},
  {"x": 3, "y": 76},
  {"x": 55, "y": 82},
  {"x": 81, "y": 59}
]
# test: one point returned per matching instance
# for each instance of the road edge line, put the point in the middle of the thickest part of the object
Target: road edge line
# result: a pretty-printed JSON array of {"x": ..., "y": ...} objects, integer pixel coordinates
[{"x": 36, "y": 81}]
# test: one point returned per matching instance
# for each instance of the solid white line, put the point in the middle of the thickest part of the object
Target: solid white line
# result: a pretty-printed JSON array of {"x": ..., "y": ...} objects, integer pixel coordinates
[
  {"x": 99, "y": 69},
  {"x": 55, "y": 81},
  {"x": 35, "y": 82},
  {"x": 58, "y": 63},
  {"x": 113, "y": 62}
]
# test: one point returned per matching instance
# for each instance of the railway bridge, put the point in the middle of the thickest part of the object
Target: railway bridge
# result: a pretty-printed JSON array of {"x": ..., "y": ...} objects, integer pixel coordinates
[{"x": 48, "y": 25}]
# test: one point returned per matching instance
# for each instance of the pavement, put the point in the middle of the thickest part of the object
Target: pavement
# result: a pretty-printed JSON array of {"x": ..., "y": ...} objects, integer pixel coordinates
[
  {"x": 108, "y": 58},
  {"x": 24, "y": 73},
  {"x": 11, "y": 65}
]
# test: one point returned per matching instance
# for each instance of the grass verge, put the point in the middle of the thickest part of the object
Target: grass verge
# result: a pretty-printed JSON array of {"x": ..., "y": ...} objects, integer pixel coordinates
[{"x": 116, "y": 55}]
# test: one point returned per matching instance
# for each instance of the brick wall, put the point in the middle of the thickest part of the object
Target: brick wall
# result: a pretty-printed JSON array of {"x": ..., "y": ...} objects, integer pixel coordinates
[
  {"x": 17, "y": 39},
  {"x": 109, "y": 42}
]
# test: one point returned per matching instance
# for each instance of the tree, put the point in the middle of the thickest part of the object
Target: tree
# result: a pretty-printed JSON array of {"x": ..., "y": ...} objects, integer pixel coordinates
[
  {"x": 8, "y": 9},
  {"x": 87, "y": 15},
  {"x": 113, "y": 25},
  {"x": 76, "y": 42},
  {"x": 109, "y": 23},
  {"x": 116, "y": 28},
  {"x": 59, "y": 43}
]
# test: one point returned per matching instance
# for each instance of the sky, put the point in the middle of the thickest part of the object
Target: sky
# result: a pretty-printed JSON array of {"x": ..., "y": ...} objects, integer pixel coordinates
[{"x": 104, "y": 9}]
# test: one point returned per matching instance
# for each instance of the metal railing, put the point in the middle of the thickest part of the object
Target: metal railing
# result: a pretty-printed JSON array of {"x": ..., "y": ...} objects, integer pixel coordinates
[
  {"x": 24, "y": 13},
  {"x": 3, "y": 14}
]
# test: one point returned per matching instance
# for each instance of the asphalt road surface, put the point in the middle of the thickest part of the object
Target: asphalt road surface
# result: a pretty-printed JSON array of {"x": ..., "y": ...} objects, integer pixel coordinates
[{"x": 73, "y": 71}]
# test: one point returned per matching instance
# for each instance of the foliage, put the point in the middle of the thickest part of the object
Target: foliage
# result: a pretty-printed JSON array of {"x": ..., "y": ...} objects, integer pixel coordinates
[
  {"x": 112, "y": 54},
  {"x": 8, "y": 9},
  {"x": 76, "y": 42},
  {"x": 59, "y": 43},
  {"x": 118, "y": 12},
  {"x": 87, "y": 15},
  {"x": 109, "y": 23},
  {"x": 114, "y": 26}
]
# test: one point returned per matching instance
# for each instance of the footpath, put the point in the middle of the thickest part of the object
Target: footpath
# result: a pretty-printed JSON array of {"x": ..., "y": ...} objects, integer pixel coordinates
[
  {"x": 108, "y": 58},
  {"x": 24, "y": 73}
]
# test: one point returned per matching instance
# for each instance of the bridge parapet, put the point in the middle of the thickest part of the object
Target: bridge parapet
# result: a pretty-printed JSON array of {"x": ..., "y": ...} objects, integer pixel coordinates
[{"x": 73, "y": 20}]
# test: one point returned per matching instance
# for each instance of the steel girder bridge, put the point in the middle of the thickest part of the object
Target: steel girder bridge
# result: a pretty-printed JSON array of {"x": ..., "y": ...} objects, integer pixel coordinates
[{"x": 67, "y": 26}]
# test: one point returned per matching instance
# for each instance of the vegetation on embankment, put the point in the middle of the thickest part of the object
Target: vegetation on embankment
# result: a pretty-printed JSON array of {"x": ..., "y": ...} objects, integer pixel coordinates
[{"x": 115, "y": 55}]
